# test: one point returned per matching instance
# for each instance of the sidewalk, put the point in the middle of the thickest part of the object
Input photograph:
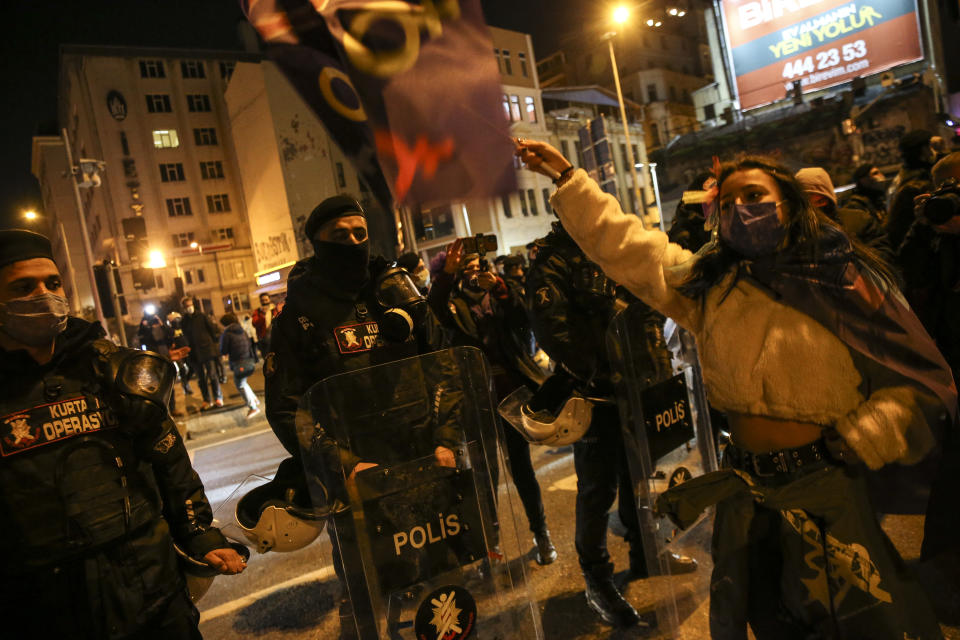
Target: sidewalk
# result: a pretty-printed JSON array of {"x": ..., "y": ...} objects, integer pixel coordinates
[{"x": 200, "y": 425}]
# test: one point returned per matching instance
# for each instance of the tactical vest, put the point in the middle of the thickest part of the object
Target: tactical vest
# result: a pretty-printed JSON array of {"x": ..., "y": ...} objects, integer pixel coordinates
[{"x": 71, "y": 480}]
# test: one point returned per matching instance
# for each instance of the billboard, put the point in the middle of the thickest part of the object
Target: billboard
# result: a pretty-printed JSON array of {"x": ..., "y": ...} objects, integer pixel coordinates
[{"x": 821, "y": 43}]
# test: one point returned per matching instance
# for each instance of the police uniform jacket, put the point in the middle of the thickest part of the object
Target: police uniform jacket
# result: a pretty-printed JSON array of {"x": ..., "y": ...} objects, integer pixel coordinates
[
  {"x": 571, "y": 303},
  {"x": 321, "y": 332},
  {"x": 89, "y": 509}
]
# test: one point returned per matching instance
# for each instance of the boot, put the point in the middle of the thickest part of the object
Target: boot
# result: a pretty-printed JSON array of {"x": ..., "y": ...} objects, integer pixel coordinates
[
  {"x": 546, "y": 552},
  {"x": 604, "y": 597}
]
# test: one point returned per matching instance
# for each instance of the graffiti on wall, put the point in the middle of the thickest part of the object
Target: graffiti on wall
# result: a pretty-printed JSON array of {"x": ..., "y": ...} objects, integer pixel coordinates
[{"x": 274, "y": 251}]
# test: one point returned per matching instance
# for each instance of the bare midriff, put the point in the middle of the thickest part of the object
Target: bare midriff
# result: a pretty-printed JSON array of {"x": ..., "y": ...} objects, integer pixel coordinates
[{"x": 759, "y": 434}]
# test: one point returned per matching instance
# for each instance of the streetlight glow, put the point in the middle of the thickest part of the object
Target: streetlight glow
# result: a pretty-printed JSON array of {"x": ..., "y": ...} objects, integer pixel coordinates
[
  {"x": 673, "y": 11},
  {"x": 194, "y": 245},
  {"x": 650, "y": 22},
  {"x": 30, "y": 214},
  {"x": 156, "y": 260},
  {"x": 150, "y": 309},
  {"x": 621, "y": 14}
]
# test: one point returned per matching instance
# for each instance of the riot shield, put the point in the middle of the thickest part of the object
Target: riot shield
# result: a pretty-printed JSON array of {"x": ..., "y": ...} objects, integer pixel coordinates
[
  {"x": 668, "y": 439},
  {"x": 422, "y": 546}
]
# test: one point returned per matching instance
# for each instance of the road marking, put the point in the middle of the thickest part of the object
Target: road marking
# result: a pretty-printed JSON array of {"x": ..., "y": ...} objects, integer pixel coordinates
[
  {"x": 568, "y": 483},
  {"x": 234, "y": 605},
  {"x": 229, "y": 440}
]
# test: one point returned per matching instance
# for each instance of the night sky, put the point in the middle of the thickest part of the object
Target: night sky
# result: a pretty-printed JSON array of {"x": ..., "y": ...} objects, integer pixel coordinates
[{"x": 36, "y": 28}]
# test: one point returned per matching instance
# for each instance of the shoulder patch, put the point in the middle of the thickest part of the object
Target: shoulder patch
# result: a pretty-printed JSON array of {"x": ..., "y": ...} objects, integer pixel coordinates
[
  {"x": 544, "y": 297},
  {"x": 165, "y": 443},
  {"x": 270, "y": 364}
]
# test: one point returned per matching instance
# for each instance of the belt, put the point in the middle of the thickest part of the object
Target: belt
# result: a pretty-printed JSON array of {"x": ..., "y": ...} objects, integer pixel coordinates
[{"x": 778, "y": 463}]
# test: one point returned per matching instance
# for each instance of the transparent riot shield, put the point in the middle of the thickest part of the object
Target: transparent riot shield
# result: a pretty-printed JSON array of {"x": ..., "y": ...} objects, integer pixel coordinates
[
  {"x": 422, "y": 546},
  {"x": 668, "y": 439}
]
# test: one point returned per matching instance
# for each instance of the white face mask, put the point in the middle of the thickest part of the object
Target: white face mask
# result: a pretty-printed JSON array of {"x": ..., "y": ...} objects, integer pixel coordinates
[
  {"x": 188, "y": 310},
  {"x": 35, "y": 321}
]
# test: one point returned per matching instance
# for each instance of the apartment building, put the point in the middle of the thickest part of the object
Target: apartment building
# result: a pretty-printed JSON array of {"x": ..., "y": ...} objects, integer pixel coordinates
[{"x": 169, "y": 190}]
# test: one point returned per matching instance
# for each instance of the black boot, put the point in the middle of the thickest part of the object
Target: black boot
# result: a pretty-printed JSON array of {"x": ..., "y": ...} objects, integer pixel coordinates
[
  {"x": 604, "y": 597},
  {"x": 546, "y": 552}
]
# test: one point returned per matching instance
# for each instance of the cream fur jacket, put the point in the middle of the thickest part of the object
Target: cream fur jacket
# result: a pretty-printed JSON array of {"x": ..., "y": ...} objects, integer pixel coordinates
[{"x": 759, "y": 356}]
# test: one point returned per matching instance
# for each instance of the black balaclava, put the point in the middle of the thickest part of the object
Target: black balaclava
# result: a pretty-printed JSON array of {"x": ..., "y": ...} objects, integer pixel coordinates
[{"x": 345, "y": 266}]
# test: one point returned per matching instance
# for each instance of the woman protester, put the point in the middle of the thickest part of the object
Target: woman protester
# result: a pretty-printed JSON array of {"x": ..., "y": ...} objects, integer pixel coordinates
[{"x": 818, "y": 363}]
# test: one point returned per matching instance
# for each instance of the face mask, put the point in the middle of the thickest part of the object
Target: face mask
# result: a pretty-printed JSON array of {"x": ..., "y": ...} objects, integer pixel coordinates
[
  {"x": 34, "y": 321},
  {"x": 420, "y": 278},
  {"x": 346, "y": 265},
  {"x": 188, "y": 310},
  {"x": 752, "y": 230}
]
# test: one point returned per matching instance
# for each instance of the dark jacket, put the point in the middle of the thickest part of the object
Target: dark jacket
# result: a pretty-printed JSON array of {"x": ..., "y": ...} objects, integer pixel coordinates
[
  {"x": 202, "y": 336},
  {"x": 571, "y": 303},
  {"x": 908, "y": 184},
  {"x": 493, "y": 321},
  {"x": 872, "y": 202},
  {"x": 321, "y": 332},
  {"x": 235, "y": 343},
  {"x": 91, "y": 502},
  {"x": 867, "y": 230}
]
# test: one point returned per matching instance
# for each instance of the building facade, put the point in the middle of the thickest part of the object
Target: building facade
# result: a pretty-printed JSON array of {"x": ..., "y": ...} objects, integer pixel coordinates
[{"x": 169, "y": 192}]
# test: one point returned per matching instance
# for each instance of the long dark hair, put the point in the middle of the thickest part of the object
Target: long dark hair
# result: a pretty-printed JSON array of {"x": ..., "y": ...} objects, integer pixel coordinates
[{"x": 805, "y": 226}]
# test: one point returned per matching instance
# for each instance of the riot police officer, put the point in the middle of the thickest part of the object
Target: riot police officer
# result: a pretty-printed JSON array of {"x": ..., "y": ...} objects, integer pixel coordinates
[
  {"x": 571, "y": 303},
  {"x": 95, "y": 483},
  {"x": 334, "y": 321}
]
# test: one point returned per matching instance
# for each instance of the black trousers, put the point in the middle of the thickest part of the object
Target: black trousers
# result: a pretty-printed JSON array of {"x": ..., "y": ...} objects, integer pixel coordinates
[
  {"x": 524, "y": 477},
  {"x": 601, "y": 472},
  {"x": 209, "y": 378}
]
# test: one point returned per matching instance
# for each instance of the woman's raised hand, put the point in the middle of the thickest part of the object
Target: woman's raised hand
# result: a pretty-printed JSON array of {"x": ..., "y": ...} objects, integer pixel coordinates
[{"x": 541, "y": 157}]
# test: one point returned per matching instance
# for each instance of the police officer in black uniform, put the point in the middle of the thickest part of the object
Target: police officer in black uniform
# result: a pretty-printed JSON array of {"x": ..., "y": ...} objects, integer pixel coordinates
[
  {"x": 95, "y": 483},
  {"x": 571, "y": 303},
  {"x": 332, "y": 323}
]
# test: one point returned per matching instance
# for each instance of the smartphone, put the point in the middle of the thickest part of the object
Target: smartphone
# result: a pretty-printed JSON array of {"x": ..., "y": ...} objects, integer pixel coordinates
[{"x": 480, "y": 244}]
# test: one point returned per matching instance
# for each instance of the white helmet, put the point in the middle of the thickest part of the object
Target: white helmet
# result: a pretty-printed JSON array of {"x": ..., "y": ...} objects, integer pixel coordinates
[
  {"x": 566, "y": 427},
  {"x": 276, "y": 518}
]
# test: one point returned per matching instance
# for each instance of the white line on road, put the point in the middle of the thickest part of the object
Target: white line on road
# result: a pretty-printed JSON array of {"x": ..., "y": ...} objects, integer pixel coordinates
[
  {"x": 228, "y": 440},
  {"x": 239, "y": 603}
]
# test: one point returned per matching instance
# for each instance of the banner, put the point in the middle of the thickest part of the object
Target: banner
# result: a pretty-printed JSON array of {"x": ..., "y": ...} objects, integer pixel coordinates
[
  {"x": 819, "y": 43},
  {"x": 410, "y": 92}
]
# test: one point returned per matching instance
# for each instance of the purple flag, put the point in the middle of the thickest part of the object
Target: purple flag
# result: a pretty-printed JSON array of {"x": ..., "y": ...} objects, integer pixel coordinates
[{"x": 410, "y": 92}]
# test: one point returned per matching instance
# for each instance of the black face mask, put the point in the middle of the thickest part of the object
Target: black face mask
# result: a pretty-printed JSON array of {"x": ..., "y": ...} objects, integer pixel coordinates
[{"x": 345, "y": 265}]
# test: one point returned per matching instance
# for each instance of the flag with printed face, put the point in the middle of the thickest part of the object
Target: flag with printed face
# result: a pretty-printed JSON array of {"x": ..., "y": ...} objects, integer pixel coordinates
[{"x": 409, "y": 91}]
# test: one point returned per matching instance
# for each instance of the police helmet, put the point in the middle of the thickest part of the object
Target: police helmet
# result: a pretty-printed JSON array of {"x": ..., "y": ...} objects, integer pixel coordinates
[
  {"x": 199, "y": 573},
  {"x": 278, "y": 516},
  {"x": 564, "y": 427}
]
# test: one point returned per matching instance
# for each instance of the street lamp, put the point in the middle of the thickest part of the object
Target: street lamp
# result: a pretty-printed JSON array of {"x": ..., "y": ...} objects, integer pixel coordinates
[
  {"x": 30, "y": 215},
  {"x": 620, "y": 16}
]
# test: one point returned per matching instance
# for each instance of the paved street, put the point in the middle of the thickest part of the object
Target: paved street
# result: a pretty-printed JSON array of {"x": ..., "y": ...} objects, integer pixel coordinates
[{"x": 293, "y": 595}]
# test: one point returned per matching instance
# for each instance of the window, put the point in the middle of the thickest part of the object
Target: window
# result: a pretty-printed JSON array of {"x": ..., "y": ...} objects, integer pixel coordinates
[
  {"x": 211, "y": 170},
  {"x": 507, "y": 68},
  {"x": 532, "y": 199},
  {"x": 188, "y": 276},
  {"x": 124, "y": 146},
  {"x": 198, "y": 103},
  {"x": 686, "y": 96},
  {"x": 709, "y": 112},
  {"x": 205, "y": 136},
  {"x": 655, "y": 134},
  {"x": 238, "y": 269},
  {"x": 565, "y": 148},
  {"x": 238, "y": 301},
  {"x": 178, "y": 207},
  {"x": 522, "y": 57},
  {"x": 514, "y": 108},
  {"x": 523, "y": 204},
  {"x": 546, "y": 201},
  {"x": 506, "y": 107},
  {"x": 224, "y": 233},
  {"x": 200, "y": 276},
  {"x": 171, "y": 172},
  {"x": 505, "y": 200},
  {"x": 673, "y": 94},
  {"x": 182, "y": 239},
  {"x": 579, "y": 150},
  {"x": 166, "y": 139},
  {"x": 626, "y": 159},
  {"x": 341, "y": 178},
  {"x": 226, "y": 69},
  {"x": 158, "y": 278},
  {"x": 651, "y": 93},
  {"x": 531, "y": 109},
  {"x": 636, "y": 156},
  {"x": 218, "y": 203},
  {"x": 158, "y": 103},
  {"x": 192, "y": 69},
  {"x": 496, "y": 53},
  {"x": 152, "y": 69}
]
